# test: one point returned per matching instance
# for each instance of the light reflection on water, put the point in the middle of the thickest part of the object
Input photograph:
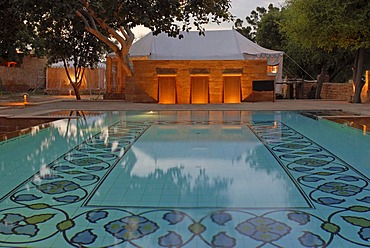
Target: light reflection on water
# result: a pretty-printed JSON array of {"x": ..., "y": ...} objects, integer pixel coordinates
[
  {"x": 202, "y": 165},
  {"x": 179, "y": 170},
  {"x": 223, "y": 162},
  {"x": 25, "y": 155}
]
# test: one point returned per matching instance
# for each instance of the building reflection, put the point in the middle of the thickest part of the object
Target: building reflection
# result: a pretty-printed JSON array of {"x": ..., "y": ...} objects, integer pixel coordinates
[{"x": 201, "y": 165}]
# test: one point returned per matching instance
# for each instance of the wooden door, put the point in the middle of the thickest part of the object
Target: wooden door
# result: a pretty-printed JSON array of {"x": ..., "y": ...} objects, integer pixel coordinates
[
  {"x": 167, "y": 90},
  {"x": 199, "y": 89},
  {"x": 232, "y": 89}
]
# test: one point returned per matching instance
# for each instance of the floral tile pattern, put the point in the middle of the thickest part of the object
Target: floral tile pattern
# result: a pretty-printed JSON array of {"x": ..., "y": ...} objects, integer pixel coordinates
[{"x": 49, "y": 211}]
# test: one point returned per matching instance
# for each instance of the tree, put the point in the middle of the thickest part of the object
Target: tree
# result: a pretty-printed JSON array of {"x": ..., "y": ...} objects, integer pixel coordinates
[
  {"x": 244, "y": 30},
  {"x": 76, "y": 48},
  {"x": 250, "y": 31},
  {"x": 268, "y": 34},
  {"x": 14, "y": 33},
  {"x": 112, "y": 21},
  {"x": 65, "y": 40},
  {"x": 331, "y": 25},
  {"x": 300, "y": 61}
]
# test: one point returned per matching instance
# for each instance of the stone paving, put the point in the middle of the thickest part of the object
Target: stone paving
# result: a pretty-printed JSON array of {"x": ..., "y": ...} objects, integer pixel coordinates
[{"x": 38, "y": 106}]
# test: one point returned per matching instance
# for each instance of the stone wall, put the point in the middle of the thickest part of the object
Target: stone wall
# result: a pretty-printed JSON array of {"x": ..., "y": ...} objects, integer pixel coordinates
[
  {"x": 29, "y": 75},
  {"x": 337, "y": 91},
  {"x": 143, "y": 86},
  {"x": 330, "y": 91}
]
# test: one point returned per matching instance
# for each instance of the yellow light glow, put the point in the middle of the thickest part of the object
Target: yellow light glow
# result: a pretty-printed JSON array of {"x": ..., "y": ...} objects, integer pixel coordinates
[
  {"x": 11, "y": 64},
  {"x": 166, "y": 99},
  {"x": 167, "y": 90},
  {"x": 199, "y": 89},
  {"x": 232, "y": 99},
  {"x": 25, "y": 98},
  {"x": 364, "y": 128},
  {"x": 273, "y": 69},
  {"x": 70, "y": 92},
  {"x": 232, "y": 87}
]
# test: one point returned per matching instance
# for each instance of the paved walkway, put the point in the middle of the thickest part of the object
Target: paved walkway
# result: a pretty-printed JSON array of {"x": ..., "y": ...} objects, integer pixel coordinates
[{"x": 41, "y": 105}]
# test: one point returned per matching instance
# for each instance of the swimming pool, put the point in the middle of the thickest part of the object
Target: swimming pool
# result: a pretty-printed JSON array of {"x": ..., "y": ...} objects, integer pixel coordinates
[{"x": 186, "y": 179}]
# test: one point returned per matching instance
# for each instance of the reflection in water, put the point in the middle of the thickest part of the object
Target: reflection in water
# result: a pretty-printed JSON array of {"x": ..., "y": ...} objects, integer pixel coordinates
[
  {"x": 75, "y": 129},
  {"x": 217, "y": 165},
  {"x": 25, "y": 155},
  {"x": 180, "y": 185},
  {"x": 173, "y": 173},
  {"x": 203, "y": 165}
]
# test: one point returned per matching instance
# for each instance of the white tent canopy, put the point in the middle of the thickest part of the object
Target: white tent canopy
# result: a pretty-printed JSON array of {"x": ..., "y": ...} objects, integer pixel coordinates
[{"x": 214, "y": 45}]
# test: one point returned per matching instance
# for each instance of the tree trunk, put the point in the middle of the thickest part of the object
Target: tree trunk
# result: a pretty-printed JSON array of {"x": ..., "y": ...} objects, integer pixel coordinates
[
  {"x": 357, "y": 73},
  {"x": 77, "y": 78},
  {"x": 76, "y": 89},
  {"x": 125, "y": 62},
  {"x": 320, "y": 82}
]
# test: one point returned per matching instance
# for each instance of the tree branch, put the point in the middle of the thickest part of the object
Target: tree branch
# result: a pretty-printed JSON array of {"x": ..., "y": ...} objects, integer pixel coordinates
[
  {"x": 123, "y": 31},
  {"x": 131, "y": 35},
  {"x": 79, "y": 14},
  {"x": 90, "y": 20},
  {"x": 96, "y": 32},
  {"x": 67, "y": 72}
]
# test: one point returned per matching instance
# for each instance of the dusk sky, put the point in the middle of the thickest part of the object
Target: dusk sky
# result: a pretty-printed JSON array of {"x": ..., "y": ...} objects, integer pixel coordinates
[{"x": 240, "y": 9}]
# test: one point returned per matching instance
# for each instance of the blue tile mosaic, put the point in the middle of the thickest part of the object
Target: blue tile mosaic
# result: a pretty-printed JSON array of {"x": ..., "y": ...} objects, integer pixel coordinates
[{"x": 93, "y": 195}]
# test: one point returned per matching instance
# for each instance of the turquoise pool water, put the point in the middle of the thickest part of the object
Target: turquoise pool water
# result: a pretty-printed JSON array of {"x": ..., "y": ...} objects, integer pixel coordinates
[{"x": 186, "y": 179}]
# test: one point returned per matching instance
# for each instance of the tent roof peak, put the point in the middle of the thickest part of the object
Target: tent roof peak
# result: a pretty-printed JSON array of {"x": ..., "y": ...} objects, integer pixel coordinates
[{"x": 213, "y": 45}]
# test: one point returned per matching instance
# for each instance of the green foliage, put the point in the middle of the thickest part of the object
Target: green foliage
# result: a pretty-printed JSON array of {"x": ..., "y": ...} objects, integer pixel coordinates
[
  {"x": 14, "y": 33},
  {"x": 246, "y": 31},
  {"x": 169, "y": 16},
  {"x": 339, "y": 62},
  {"x": 329, "y": 25},
  {"x": 268, "y": 34},
  {"x": 304, "y": 58},
  {"x": 253, "y": 20},
  {"x": 332, "y": 26},
  {"x": 65, "y": 39},
  {"x": 107, "y": 20}
]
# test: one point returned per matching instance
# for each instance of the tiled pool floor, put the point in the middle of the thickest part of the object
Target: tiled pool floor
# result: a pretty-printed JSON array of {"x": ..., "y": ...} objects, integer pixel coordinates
[{"x": 186, "y": 179}]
